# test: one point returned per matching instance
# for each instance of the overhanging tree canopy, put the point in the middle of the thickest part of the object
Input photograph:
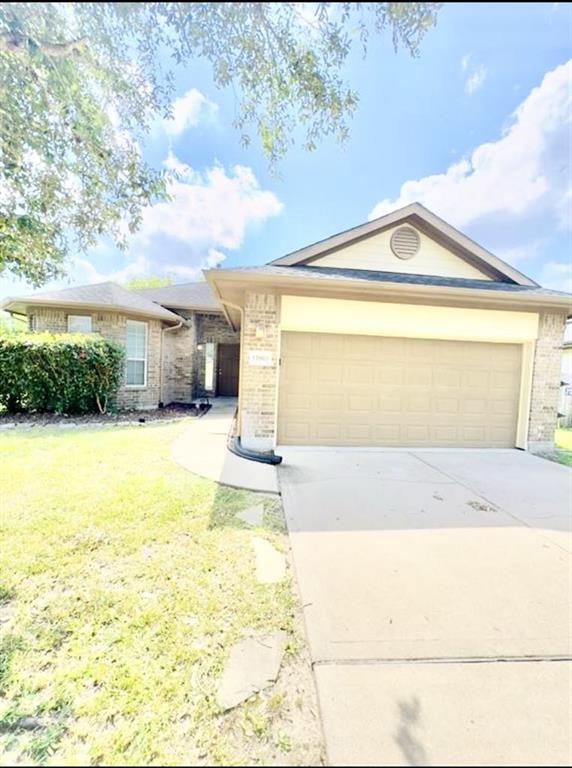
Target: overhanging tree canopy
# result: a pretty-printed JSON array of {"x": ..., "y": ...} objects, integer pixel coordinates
[{"x": 81, "y": 84}]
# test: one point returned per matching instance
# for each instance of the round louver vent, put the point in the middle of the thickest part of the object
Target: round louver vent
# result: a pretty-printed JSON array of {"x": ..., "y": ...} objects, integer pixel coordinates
[{"x": 405, "y": 242}]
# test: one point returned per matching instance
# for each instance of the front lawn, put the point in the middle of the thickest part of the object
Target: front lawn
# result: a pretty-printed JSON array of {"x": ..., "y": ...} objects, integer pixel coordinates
[
  {"x": 563, "y": 438},
  {"x": 124, "y": 580},
  {"x": 563, "y": 445}
]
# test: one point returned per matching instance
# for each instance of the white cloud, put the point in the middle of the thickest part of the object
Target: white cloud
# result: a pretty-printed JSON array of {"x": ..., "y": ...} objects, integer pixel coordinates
[
  {"x": 519, "y": 253},
  {"x": 213, "y": 259},
  {"x": 172, "y": 163},
  {"x": 139, "y": 266},
  {"x": 210, "y": 209},
  {"x": 207, "y": 213},
  {"x": 188, "y": 110},
  {"x": 557, "y": 275},
  {"x": 465, "y": 62},
  {"x": 523, "y": 173},
  {"x": 476, "y": 79}
]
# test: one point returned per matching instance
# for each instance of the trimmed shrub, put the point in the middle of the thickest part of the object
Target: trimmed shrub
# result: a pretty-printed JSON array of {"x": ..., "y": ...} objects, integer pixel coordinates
[{"x": 59, "y": 372}]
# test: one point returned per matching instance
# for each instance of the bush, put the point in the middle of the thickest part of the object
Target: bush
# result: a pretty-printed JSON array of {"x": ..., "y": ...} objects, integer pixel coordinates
[{"x": 59, "y": 372}]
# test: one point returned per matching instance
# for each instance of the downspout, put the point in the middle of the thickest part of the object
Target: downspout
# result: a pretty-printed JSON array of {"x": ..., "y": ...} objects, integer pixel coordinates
[
  {"x": 162, "y": 356},
  {"x": 234, "y": 443},
  {"x": 239, "y": 407}
]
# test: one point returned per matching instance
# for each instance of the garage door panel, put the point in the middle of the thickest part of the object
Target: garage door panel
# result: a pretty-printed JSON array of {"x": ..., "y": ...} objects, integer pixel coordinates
[
  {"x": 417, "y": 376},
  {"x": 418, "y": 404},
  {"x": 352, "y": 390},
  {"x": 358, "y": 374},
  {"x": 328, "y": 372},
  {"x": 384, "y": 374},
  {"x": 447, "y": 405}
]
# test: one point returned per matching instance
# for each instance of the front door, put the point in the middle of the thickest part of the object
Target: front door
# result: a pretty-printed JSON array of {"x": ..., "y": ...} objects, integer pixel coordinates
[{"x": 228, "y": 361}]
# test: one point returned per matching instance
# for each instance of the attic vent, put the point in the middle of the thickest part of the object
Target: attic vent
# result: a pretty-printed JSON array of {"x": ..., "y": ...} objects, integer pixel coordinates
[{"x": 405, "y": 242}]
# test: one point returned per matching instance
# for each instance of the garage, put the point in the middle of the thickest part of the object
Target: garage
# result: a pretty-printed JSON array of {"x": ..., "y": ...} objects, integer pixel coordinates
[{"x": 347, "y": 389}]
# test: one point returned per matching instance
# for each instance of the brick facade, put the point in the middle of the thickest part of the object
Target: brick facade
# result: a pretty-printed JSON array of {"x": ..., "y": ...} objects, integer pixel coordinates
[
  {"x": 183, "y": 363},
  {"x": 178, "y": 346},
  {"x": 258, "y": 386},
  {"x": 112, "y": 325},
  {"x": 209, "y": 328},
  {"x": 546, "y": 381}
]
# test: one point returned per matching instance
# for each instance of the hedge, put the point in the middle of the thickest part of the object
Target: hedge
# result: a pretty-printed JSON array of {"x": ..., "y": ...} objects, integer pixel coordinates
[{"x": 59, "y": 372}]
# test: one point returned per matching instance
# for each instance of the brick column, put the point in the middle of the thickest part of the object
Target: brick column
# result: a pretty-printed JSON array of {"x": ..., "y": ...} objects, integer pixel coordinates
[
  {"x": 546, "y": 382},
  {"x": 259, "y": 373}
]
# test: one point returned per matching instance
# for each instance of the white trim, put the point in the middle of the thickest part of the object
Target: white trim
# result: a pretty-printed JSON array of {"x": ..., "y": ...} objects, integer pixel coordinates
[{"x": 144, "y": 360}]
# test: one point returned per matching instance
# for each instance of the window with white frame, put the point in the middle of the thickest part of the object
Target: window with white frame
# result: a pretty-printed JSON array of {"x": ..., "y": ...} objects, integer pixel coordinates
[
  {"x": 209, "y": 366},
  {"x": 79, "y": 323},
  {"x": 136, "y": 354}
]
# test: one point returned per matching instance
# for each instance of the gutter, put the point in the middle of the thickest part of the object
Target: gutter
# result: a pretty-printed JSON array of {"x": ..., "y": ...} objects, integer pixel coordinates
[
  {"x": 240, "y": 310},
  {"x": 400, "y": 292},
  {"x": 234, "y": 444}
]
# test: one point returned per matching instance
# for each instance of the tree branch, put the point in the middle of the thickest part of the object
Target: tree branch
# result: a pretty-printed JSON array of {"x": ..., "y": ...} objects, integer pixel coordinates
[{"x": 11, "y": 43}]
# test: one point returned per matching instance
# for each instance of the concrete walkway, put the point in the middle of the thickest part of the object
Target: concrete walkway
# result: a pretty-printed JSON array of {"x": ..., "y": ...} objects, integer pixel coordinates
[
  {"x": 202, "y": 449},
  {"x": 437, "y": 599}
]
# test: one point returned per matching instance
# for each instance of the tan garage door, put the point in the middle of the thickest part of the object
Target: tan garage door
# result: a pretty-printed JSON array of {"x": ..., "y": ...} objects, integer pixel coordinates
[{"x": 371, "y": 390}]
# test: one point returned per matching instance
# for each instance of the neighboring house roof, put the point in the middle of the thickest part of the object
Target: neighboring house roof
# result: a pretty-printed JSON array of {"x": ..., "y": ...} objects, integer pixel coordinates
[
  {"x": 426, "y": 222},
  {"x": 183, "y": 296},
  {"x": 98, "y": 296}
]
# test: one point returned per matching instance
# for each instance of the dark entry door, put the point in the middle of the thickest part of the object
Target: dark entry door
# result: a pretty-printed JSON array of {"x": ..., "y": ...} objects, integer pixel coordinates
[{"x": 227, "y": 379}]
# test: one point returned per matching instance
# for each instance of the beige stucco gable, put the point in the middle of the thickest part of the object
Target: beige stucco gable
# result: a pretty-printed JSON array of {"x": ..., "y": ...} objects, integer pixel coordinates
[{"x": 374, "y": 253}]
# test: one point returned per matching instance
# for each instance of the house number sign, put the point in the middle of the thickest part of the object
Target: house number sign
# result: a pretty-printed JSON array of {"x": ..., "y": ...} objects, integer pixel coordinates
[{"x": 260, "y": 357}]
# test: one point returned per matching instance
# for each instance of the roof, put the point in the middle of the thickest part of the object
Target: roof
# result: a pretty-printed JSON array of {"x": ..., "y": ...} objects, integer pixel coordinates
[
  {"x": 378, "y": 276},
  {"x": 304, "y": 277},
  {"x": 183, "y": 296},
  {"x": 426, "y": 222},
  {"x": 99, "y": 295}
]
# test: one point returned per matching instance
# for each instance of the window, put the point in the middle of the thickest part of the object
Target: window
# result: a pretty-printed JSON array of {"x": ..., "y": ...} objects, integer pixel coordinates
[
  {"x": 209, "y": 366},
  {"x": 79, "y": 323},
  {"x": 136, "y": 354}
]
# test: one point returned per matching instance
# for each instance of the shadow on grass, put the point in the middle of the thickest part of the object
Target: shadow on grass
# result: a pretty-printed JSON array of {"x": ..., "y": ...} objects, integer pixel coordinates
[{"x": 228, "y": 503}]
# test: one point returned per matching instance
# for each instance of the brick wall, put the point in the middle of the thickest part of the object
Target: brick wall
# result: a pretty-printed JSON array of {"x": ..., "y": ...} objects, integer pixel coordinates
[
  {"x": 214, "y": 328},
  {"x": 546, "y": 382},
  {"x": 261, "y": 332},
  {"x": 112, "y": 325},
  {"x": 179, "y": 345},
  {"x": 183, "y": 363}
]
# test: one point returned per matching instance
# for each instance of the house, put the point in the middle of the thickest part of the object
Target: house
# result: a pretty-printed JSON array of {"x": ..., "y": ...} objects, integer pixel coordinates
[
  {"x": 399, "y": 332},
  {"x": 178, "y": 343},
  {"x": 565, "y": 405}
]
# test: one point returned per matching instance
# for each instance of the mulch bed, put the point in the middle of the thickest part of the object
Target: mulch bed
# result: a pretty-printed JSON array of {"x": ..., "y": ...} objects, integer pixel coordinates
[{"x": 168, "y": 413}]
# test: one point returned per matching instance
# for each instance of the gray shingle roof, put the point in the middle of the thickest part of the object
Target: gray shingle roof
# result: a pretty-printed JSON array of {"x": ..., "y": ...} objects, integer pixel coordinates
[
  {"x": 421, "y": 218},
  {"x": 366, "y": 275},
  {"x": 97, "y": 295},
  {"x": 183, "y": 296}
]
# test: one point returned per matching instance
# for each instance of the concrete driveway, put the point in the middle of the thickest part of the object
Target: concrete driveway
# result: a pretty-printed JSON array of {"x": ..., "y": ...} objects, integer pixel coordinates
[{"x": 436, "y": 587}]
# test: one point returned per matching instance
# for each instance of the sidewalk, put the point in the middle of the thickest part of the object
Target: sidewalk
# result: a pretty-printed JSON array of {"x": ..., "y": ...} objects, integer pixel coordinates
[{"x": 202, "y": 449}]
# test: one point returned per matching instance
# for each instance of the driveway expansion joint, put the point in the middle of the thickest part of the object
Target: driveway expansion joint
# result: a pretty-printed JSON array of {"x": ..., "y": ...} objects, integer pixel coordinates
[{"x": 443, "y": 660}]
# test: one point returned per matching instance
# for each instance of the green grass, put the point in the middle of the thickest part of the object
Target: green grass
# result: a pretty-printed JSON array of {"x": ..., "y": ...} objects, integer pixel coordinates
[
  {"x": 124, "y": 580},
  {"x": 563, "y": 439},
  {"x": 562, "y": 453}
]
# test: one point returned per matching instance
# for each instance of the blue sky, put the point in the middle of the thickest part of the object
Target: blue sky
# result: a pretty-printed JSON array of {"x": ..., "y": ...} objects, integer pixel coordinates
[{"x": 478, "y": 128}]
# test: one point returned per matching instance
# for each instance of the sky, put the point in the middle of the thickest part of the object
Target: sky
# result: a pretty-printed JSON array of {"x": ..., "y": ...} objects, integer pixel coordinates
[{"x": 478, "y": 128}]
